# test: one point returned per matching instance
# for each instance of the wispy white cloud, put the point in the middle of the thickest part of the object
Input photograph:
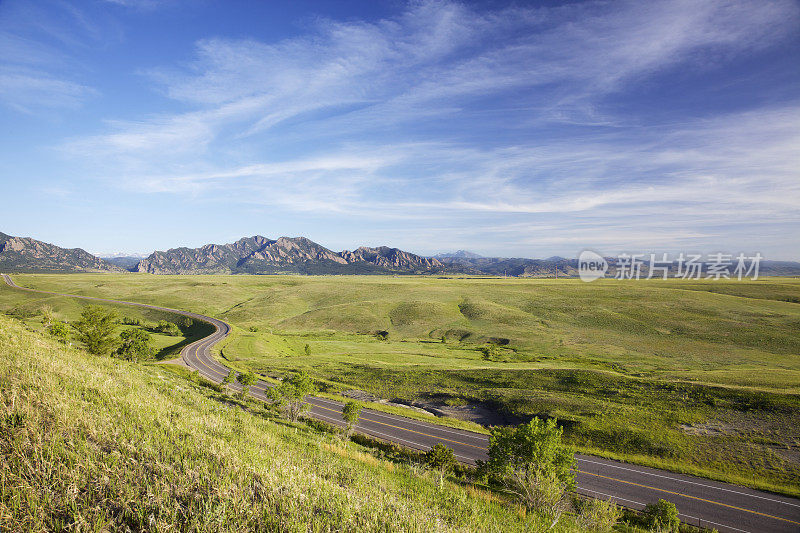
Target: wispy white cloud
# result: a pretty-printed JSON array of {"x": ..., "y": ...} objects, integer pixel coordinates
[
  {"x": 32, "y": 91},
  {"x": 743, "y": 163},
  {"x": 339, "y": 121},
  {"x": 38, "y": 71},
  {"x": 438, "y": 56}
]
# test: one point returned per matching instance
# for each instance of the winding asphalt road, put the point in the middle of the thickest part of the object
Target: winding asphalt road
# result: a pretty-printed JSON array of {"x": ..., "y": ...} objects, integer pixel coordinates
[{"x": 728, "y": 508}]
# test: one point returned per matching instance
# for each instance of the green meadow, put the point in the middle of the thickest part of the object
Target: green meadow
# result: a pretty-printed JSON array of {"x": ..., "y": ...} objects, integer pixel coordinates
[
  {"x": 93, "y": 443},
  {"x": 695, "y": 376}
]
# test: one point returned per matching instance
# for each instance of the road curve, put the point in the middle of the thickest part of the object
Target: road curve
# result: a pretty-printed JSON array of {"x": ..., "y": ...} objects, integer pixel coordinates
[{"x": 726, "y": 507}]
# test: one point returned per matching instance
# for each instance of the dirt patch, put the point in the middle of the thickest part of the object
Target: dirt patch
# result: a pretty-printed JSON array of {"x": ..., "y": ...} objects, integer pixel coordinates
[
  {"x": 484, "y": 415},
  {"x": 478, "y": 413},
  {"x": 367, "y": 397},
  {"x": 712, "y": 429}
]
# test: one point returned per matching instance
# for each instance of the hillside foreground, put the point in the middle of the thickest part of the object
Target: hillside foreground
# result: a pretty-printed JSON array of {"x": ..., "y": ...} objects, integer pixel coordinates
[{"x": 95, "y": 443}]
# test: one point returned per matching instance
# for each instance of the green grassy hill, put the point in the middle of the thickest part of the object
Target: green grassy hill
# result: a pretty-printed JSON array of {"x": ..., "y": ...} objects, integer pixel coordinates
[
  {"x": 91, "y": 443},
  {"x": 700, "y": 377}
]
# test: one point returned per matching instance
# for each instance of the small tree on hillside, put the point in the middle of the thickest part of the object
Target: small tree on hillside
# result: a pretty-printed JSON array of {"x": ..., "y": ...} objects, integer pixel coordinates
[
  {"x": 662, "y": 516},
  {"x": 47, "y": 316},
  {"x": 246, "y": 380},
  {"x": 59, "y": 330},
  {"x": 134, "y": 345},
  {"x": 441, "y": 459},
  {"x": 96, "y": 329},
  {"x": 228, "y": 379},
  {"x": 534, "y": 464},
  {"x": 350, "y": 413},
  {"x": 290, "y": 393},
  {"x": 167, "y": 328},
  {"x": 597, "y": 515}
]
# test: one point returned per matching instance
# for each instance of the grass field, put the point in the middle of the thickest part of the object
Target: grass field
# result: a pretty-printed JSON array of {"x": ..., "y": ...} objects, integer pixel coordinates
[
  {"x": 97, "y": 444},
  {"x": 28, "y": 307},
  {"x": 701, "y": 377}
]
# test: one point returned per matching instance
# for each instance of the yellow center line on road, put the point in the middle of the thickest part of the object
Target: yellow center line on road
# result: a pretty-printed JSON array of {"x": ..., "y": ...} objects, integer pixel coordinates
[{"x": 691, "y": 497}]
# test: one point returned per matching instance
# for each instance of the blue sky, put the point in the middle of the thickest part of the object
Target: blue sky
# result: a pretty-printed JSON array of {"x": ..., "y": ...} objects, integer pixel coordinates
[{"x": 515, "y": 129}]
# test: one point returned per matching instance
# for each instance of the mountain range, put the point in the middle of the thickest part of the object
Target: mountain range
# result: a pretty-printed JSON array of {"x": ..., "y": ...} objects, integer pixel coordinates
[
  {"x": 295, "y": 255},
  {"x": 23, "y": 254},
  {"x": 260, "y": 255}
]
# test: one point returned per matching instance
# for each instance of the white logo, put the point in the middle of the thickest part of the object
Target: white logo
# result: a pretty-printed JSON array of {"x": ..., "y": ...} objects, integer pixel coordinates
[{"x": 591, "y": 266}]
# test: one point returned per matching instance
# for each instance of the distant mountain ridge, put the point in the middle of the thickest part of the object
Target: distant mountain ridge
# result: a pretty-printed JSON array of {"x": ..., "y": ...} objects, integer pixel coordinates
[
  {"x": 510, "y": 266},
  {"x": 459, "y": 254},
  {"x": 299, "y": 255},
  {"x": 126, "y": 262},
  {"x": 260, "y": 255},
  {"x": 24, "y": 254}
]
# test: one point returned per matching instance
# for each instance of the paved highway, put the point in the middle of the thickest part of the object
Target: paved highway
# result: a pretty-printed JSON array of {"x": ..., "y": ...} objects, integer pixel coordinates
[{"x": 728, "y": 508}]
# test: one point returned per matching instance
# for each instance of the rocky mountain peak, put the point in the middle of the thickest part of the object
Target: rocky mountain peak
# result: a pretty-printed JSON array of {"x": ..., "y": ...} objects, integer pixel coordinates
[
  {"x": 27, "y": 254},
  {"x": 259, "y": 254}
]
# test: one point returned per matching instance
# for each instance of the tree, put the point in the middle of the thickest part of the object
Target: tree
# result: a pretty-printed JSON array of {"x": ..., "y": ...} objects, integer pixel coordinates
[
  {"x": 228, "y": 379},
  {"x": 134, "y": 345},
  {"x": 167, "y": 328},
  {"x": 662, "y": 516},
  {"x": 59, "y": 330},
  {"x": 441, "y": 459},
  {"x": 382, "y": 335},
  {"x": 96, "y": 329},
  {"x": 350, "y": 413},
  {"x": 290, "y": 393},
  {"x": 246, "y": 380},
  {"x": 307, "y": 349},
  {"x": 534, "y": 464},
  {"x": 597, "y": 515}
]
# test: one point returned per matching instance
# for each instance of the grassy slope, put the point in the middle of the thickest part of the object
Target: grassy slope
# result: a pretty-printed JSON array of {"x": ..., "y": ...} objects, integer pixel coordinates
[
  {"x": 27, "y": 307},
  {"x": 95, "y": 443},
  {"x": 604, "y": 357}
]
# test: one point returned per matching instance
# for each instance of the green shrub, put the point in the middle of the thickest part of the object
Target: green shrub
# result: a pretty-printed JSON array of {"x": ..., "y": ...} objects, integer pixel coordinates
[
  {"x": 351, "y": 413},
  {"x": 96, "y": 329},
  {"x": 290, "y": 393},
  {"x": 661, "y": 516},
  {"x": 597, "y": 515},
  {"x": 533, "y": 463},
  {"x": 59, "y": 330},
  {"x": 441, "y": 459},
  {"x": 135, "y": 345},
  {"x": 167, "y": 328}
]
